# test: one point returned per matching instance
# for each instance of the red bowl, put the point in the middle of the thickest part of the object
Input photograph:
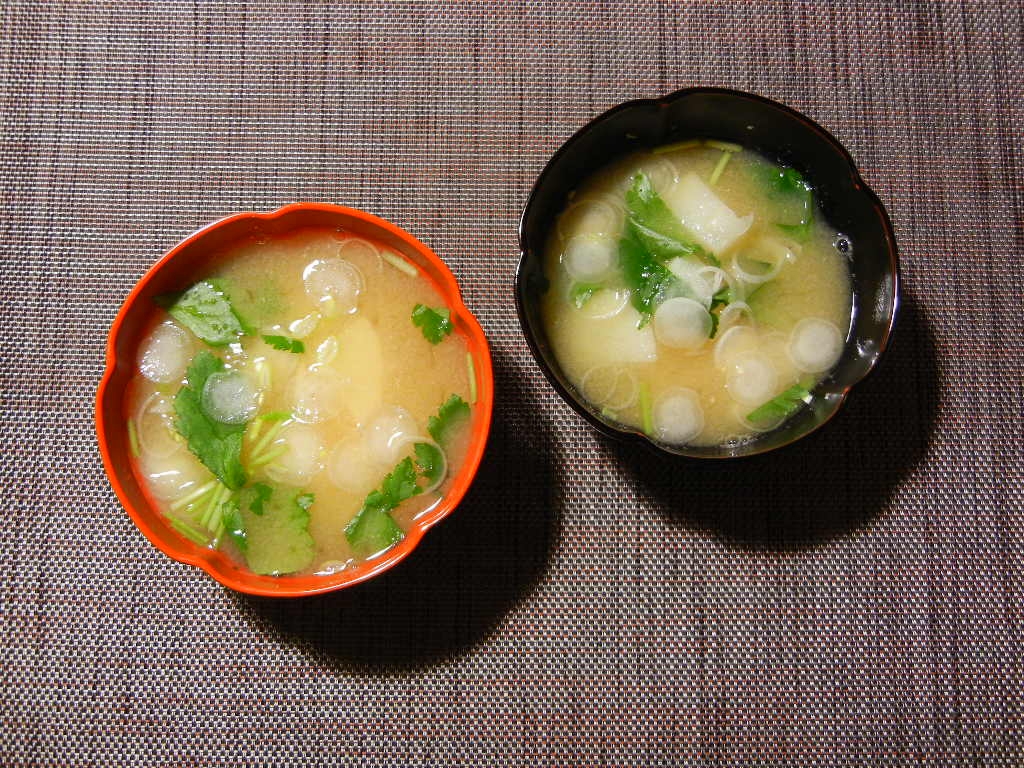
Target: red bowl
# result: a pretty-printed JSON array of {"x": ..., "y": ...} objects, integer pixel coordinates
[{"x": 179, "y": 267}]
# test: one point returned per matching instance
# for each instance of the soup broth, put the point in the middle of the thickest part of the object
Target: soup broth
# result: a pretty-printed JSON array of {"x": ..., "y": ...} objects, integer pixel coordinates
[
  {"x": 301, "y": 405},
  {"x": 696, "y": 293}
]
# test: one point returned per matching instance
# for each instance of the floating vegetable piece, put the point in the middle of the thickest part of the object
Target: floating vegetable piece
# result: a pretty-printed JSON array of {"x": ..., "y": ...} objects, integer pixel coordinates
[
  {"x": 648, "y": 279},
  {"x": 589, "y": 258},
  {"x": 677, "y": 416},
  {"x": 815, "y": 345},
  {"x": 434, "y": 323},
  {"x": 751, "y": 378},
  {"x": 780, "y": 407},
  {"x": 452, "y": 413},
  {"x": 682, "y": 323},
  {"x": 373, "y": 530},
  {"x": 216, "y": 444},
  {"x": 165, "y": 354},
  {"x": 655, "y": 225},
  {"x": 206, "y": 311},
  {"x": 351, "y": 468},
  {"x": 285, "y": 344},
  {"x": 275, "y": 527},
  {"x": 229, "y": 397},
  {"x": 295, "y": 457},
  {"x": 334, "y": 284},
  {"x": 713, "y": 224}
]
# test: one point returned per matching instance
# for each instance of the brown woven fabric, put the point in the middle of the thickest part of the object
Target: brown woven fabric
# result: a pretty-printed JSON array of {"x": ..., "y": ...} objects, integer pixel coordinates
[{"x": 854, "y": 600}]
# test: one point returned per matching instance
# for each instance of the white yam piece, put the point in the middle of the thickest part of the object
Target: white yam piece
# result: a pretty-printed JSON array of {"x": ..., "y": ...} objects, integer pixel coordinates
[
  {"x": 712, "y": 223},
  {"x": 359, "y": 362}
]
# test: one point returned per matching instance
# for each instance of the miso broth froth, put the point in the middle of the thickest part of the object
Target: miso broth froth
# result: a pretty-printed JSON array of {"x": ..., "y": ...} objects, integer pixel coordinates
[
  {"x": 302, "y": 404},
  {"x": 696, "y": 293}
]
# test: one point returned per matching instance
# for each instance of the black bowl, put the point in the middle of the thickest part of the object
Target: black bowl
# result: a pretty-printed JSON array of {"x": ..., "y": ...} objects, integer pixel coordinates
[{"x": 777, "y": 132}]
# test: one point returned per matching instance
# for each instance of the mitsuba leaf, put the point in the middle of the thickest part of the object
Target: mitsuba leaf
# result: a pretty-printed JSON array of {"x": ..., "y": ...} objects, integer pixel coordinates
[
  {"x": 451, "y": 413},
  {"x": 206, "y": 311},
  {"x": 647, "y": 278},
  {"x": 217, "y": 445},
  {"x": 277, "y": 538},
  {"x": 656, "y": 227},
  {"x": 434, "y": 323},
  {"x": 285, "y": 344}
]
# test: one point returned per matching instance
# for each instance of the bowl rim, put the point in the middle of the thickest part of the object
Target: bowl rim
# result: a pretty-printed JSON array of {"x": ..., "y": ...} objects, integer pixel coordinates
[
  {"x": 635, "y": 436},
  {"x": 241, "y": 580}
]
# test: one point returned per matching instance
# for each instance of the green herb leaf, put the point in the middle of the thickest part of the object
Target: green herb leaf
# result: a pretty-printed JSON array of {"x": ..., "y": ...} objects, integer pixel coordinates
[
  {"x": 581, "y": 293},
  {"x": 648, "y": 279},
  {"x": 656, "y": 227},
  {"x": 218, "y": 446},
  {"x": 260, "y": 493},
  {"x": 449, "y": 416},
  {"x": 793, "y": 200},
  {"x": 719, "y": 300},
  {"x": 373, "y": 530},
  {"x": 285, "y": 344},
  {"x": 435, "y": 323},
  {"x": 206, "y": 311},
  {"x": 234, "y": 525},
  {"x": 277, "y": 538},
  {"x": 778, "y": 408},
  {"x": 430, "y": 461},
  {"x": 400, "y": 484}
]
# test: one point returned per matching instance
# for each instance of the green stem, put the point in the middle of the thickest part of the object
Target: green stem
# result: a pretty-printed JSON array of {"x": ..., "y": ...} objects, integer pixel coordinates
[
  {"x": 472, "y": 378},
  {"x": 198, "y": 493}
]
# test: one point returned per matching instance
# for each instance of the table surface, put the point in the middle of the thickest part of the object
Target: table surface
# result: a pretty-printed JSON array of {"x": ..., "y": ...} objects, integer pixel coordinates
[{"x": 853, "y": 600}]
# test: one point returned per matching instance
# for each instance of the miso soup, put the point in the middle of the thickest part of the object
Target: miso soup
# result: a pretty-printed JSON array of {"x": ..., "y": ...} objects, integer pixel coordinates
[
  {"x": 696, "y": 293},
  {"x": 302, "y": 404}
]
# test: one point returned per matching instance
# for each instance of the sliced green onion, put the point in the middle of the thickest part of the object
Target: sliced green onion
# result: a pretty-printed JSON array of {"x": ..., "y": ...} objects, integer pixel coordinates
[
  {"x": 646, "y": 412},
  {"x": 190, "y": 533},
  {"x": 472, "y": 377},
  {"x": 689, "y": 144},
  {"x": 725, "y": 146},
  {"x": 719, "y": 167},
  {"x": 400, "y": 264},
  {"x": 608, "y": 413},
  {"x": 198, "y": 493},
  {"x": 133, "y": 439}
]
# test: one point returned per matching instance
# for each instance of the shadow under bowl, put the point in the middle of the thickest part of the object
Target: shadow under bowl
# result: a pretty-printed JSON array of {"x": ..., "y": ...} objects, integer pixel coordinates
[
  {"x": 775, "y": 131},
  {"x": 183, "y": 265}
]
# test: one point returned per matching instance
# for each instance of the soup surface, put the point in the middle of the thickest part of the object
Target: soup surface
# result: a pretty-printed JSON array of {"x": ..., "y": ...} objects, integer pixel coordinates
[
  {"x": 301, "y": 405},
  {"x": 696, "y": 293}
]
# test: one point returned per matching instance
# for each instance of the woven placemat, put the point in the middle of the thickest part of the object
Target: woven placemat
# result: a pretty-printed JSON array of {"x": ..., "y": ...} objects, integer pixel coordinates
[{"x": 855, "y": 600}]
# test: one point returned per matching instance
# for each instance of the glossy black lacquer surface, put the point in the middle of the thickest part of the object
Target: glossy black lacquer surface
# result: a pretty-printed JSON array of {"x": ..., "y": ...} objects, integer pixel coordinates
[{"x": 776, "y": 131}]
